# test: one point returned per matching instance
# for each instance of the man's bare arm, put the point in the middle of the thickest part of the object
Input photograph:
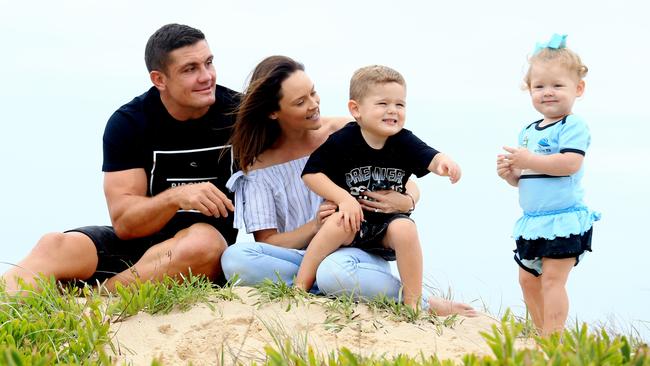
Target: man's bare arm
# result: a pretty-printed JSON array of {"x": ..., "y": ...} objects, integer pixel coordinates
[{"x": 134, "y": 215}]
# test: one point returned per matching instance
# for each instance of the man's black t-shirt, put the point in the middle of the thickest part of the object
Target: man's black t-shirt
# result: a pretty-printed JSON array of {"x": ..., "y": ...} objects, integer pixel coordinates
[{"x": 142, "y": 134}]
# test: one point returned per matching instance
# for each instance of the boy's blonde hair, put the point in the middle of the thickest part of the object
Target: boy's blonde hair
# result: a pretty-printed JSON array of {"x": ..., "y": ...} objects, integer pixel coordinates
[
  {"x": 368, "y": 76},
  {"x": 565, "y": 56}
]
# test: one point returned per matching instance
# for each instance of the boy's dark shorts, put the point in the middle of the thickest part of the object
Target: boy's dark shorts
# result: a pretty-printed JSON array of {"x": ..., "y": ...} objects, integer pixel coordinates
[
  {"x": 115, "y": 254},
  {"x": 371, "y": 235},
  {"x": 529, "y": 253}
]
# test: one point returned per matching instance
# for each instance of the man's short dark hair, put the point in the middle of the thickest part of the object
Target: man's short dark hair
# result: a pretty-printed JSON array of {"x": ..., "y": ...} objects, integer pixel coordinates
[{"x": 167, "y": 39}]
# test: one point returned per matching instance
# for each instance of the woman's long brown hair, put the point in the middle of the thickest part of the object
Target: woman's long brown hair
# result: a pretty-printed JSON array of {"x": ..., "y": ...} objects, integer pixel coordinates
[{"x": 254, "y": 130}]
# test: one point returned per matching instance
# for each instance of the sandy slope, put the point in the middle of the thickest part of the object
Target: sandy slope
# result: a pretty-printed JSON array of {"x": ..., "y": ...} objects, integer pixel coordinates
[{"x": 236, "y": 331}]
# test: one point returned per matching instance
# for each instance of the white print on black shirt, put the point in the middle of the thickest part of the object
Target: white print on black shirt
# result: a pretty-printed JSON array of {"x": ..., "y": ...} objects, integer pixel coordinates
[
  {"x": 372, "y": 178},
  {"x": 181, "y": 167}
]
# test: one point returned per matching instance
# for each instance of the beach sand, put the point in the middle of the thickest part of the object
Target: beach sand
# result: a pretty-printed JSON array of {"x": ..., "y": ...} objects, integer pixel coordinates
[{"x": 237, "y": 331}]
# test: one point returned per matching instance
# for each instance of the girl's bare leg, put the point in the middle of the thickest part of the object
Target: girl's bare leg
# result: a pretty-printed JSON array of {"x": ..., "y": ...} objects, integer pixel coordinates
[
  {"x": 531, "y": 287},
  {"x": 555, "y": 273}
]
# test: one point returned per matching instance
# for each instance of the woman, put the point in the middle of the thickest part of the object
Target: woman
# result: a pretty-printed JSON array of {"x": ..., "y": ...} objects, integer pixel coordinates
[{"x": 278, "y": 126}]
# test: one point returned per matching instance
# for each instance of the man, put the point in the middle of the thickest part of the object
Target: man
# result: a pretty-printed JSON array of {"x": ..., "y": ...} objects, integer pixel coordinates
[{"x": 166, "y": 162}]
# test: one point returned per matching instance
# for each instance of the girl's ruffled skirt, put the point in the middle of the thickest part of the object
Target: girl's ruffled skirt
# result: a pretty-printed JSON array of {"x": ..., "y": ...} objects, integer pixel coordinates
[{"x": 551, "y": 224}]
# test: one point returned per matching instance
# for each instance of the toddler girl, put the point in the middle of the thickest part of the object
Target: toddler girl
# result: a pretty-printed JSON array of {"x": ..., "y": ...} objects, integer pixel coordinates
[{"x": 556, "y": 227}]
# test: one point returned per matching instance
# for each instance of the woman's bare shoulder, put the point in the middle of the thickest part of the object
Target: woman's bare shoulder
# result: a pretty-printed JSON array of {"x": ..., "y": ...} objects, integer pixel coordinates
[
  {"x": 333, "y": 124},
  {"x": 273, "y": 157},
  {"x": 265, "y": 159}
]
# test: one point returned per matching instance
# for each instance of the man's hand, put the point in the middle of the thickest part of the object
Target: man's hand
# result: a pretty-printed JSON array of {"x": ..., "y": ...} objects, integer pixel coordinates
[
  {"x": 135, "y": 215},
  {"x": 205, "y": 198}
]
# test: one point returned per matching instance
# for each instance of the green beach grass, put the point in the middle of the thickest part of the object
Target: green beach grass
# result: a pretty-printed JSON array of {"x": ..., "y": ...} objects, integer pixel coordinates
[{"x": 70, "y": 325}]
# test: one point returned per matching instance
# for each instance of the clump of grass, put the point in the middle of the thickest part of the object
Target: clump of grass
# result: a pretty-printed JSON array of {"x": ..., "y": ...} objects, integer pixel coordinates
[
  {"x": 227, "y": 291},
  {"x": 161, "y": 297},
  {"x": 585, "y": 348},
  {"x": 344, "y": 357},
  {"x": 63, "y": 324},
  {"x": 273, "y": 291},
  {"x": 528, "y": 330},
  {"x": 341, "y": 311},
  {"x": 572, "y": 347},
  {"x": 633, "y": 329},
  {"x": 399, "y": 311},
  {"x": 502, "y": 340},
  {"x": 52, "y": 325},
  {"x": 290, "y": 344},
  {"x": 168, "y": 294},
  {"x": 395, "y": 308}
]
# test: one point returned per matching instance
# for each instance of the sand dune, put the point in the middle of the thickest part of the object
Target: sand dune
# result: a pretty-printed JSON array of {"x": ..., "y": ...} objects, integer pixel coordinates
[{"x": 237, "y": 331}]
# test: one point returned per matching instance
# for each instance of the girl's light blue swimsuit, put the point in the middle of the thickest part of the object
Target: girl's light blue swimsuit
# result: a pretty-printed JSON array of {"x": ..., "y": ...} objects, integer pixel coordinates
[{"x": 553, "y": 205}]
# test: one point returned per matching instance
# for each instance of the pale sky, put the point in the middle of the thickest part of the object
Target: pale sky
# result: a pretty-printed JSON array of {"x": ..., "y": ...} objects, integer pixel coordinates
[{"x": 66, "y": 66}]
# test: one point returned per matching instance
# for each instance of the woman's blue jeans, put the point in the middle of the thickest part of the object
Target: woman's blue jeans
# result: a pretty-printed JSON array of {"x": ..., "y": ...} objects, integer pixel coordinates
[{"x": 347, "y": 271}]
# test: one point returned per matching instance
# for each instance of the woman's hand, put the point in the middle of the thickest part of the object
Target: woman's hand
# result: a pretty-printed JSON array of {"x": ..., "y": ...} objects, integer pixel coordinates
[
  {"x": 325, "y": 210},
  {"x": 387, "y": 201}
]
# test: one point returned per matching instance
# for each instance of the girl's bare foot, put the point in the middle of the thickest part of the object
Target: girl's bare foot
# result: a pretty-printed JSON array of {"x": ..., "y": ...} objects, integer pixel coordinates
[{"x": 444, "y": 307}]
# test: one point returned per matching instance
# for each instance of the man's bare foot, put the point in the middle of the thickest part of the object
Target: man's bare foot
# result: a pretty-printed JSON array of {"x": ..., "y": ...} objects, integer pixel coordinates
[{"x": 444, "y": 307}]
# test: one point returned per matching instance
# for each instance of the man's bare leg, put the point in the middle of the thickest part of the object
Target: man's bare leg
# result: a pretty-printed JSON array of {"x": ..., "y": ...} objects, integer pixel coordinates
[
  {"x": 62, "y": 255},
  {"x": 198, "y": 248}
]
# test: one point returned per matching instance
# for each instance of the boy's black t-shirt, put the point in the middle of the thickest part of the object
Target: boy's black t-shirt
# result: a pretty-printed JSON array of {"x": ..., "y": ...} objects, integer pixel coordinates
[
  {"x": 352, "y": 164},
  {"x": 142, "y": 134}
]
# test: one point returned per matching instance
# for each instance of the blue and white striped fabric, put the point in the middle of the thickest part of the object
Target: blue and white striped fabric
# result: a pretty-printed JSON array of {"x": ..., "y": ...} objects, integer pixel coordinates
[{"x": 274, "y": 197}]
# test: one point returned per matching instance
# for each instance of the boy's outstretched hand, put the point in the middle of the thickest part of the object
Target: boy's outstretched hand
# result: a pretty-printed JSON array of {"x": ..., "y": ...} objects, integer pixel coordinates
[{"x": 444, "y": 166}]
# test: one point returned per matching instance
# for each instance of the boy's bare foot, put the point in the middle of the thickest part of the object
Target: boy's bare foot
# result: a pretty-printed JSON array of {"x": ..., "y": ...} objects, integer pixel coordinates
[{"x": 444, "y": 307}]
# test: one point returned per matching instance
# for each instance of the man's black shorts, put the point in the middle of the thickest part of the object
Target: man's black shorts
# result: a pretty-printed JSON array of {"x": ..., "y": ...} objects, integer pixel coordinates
[{"x": 116, "y": 255}]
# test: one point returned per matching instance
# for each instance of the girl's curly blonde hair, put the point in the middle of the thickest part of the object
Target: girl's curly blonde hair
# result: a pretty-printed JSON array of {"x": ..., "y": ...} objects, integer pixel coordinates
[{"x": 565, "y": 56}]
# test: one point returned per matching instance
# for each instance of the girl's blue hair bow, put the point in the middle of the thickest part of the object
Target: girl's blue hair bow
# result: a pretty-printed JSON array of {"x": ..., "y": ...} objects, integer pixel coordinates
[{"x": 557, "y": 41}]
